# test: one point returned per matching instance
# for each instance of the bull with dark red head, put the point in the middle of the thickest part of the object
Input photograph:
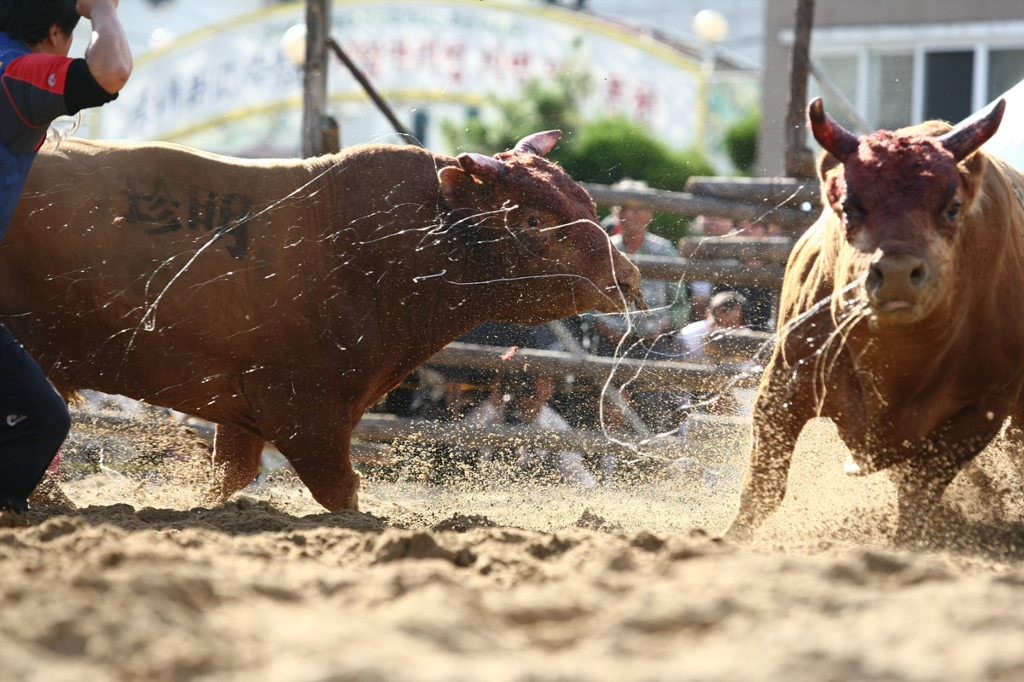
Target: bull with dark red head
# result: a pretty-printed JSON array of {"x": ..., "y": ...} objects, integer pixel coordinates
[{"x": 899, "y": 318}]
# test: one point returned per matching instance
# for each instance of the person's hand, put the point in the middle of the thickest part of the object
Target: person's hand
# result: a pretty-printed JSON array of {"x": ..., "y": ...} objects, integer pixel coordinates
[{"x": 85, "y": 7}]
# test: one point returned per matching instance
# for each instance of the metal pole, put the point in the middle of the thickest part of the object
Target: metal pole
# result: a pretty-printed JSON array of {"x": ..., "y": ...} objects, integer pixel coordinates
[
  {"x": 372, "y": 92},
  {"x": 839, "y": 99},
  {"x": 798, "y": 158},
  {"x": 318, "y": 26}
]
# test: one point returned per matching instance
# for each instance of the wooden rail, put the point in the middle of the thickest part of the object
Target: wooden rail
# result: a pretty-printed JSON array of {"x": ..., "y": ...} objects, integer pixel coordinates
[
  {"x": 791, "y": 220},
  {"x": 375, "y": 429},
  {"x": 387, "y": 428},
  {"x": 696, "y": 270},
  {"x": 746, "y": 249},
  {"x": 654, "y": 374},
  {"x": 375, "y": 432},
  {"x": 788, "y": 192}
]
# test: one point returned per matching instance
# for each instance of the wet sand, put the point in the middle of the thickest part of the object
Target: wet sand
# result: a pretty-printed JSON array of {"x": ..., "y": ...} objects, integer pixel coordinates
[{"x": 512, "y": 582}]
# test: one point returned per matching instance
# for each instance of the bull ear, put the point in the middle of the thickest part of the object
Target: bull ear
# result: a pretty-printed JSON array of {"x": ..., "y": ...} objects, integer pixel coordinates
[
  {"x": 832, "y": 137},
  {"x": 826, "y": 163},
  {"x": 963, "y": 141},
  {"x": 539, "y": 143},
  {"x": 458, "y": 187}
]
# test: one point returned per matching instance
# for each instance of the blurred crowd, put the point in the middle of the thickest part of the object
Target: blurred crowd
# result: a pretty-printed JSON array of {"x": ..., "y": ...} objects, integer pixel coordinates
[{"x": 684, "y": 318}]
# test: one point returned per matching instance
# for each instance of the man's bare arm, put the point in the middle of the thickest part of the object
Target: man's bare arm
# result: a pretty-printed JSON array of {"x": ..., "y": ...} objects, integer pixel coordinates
[{"x": 108, "y": 55}]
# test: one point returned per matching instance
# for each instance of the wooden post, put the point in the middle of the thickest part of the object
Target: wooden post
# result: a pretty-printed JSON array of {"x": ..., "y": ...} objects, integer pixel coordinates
[
  {"x": 799, "y": 162},
  {"x": 318, "y": 27}
]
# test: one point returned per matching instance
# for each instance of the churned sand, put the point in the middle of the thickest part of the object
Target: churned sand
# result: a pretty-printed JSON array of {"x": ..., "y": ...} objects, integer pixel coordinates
[{"x": 498, "y": 580}]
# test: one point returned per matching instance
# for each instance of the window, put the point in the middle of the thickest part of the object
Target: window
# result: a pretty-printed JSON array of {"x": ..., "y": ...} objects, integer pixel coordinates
[
  {"x": 1005, "y": 69},
  {"x": 891, "y": 78},
  {"x": 842, "y": 71},
  {"x": 949, "y": 81},
  {"x": 899, "y": 75}
]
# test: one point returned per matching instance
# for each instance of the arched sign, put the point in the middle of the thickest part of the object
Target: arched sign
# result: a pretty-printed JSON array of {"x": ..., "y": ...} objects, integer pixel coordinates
[{"x": 229, "y": 88}]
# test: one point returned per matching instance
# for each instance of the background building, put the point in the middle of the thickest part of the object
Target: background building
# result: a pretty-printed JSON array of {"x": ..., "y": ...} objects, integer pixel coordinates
[
  {"x": 214, "y": 75},
  {"x": 898, "y": 63}
]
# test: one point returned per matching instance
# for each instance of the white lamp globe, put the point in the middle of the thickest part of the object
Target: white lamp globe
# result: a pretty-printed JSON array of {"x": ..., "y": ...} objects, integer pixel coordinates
[
  {"x": 293, "y": 43},
  {"x": 710, "y": 26}
]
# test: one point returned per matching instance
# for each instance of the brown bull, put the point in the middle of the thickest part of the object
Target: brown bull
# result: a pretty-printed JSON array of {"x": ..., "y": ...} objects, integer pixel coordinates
[
  {"x": 900, "y": 317},
  {"x": 282, "y": 298}
]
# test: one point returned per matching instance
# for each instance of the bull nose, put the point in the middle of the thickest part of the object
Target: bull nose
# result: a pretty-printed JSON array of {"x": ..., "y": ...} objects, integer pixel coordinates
[
  {"x": 629, "y": 287},
  {"x": 896, "y": 280}
]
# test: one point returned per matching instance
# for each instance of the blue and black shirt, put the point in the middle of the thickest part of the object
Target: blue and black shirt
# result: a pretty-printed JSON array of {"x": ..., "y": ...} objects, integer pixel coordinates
[{"x": 34, "y": 90}]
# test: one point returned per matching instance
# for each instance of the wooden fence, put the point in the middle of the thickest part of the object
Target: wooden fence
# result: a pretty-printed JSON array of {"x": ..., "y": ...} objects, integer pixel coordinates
[{"x": 790, "y": 203}]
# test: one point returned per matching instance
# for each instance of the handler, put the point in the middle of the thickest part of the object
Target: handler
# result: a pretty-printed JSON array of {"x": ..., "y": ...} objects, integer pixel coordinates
[{"x": 41, "y": 83}]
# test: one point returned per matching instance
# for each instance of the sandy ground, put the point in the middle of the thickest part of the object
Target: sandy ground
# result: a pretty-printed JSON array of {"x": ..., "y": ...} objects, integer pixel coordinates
[{"x": 517, "y": 582}]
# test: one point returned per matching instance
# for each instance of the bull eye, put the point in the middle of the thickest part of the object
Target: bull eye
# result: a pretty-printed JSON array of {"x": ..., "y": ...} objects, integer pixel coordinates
[
  {"x": 953, "y": 211},
  {"x": 851, "y": 213},
  {"x": 532, "y": 222}
]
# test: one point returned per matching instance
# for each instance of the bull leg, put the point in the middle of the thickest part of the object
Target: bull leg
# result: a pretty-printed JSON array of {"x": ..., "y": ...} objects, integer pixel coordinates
[
  {"x": 1015, "y": 437},
  {"x": 238, "y": 452},
  {"x": 779, "y": 417},
  {"x": 921, "y": 481},
  {"x": 323, "y": 463}
]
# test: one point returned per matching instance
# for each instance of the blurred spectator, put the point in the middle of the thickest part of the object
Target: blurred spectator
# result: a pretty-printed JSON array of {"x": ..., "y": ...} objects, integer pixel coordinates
[
  {"x": 759, "y": 310},
  {"x": 522, "y": 399},
  {"x": 710, "y": 226},
  {"x": 700, "y": 298},
  {"x": 725, "y": 312},
  {"x": 611, "y": 223},
  {"x": 700, "y": 291},
  {"x": 645, "y": 335},
  {"x": 668, "y": 300}
]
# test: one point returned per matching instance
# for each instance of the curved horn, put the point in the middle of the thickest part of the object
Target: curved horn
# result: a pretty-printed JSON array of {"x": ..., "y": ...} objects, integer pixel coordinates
[
  {"x": 963, "y": 141},
  {"x": 478, "y": 164},
  {"x": 539, "y": 143},
  {"x": 834, "y": 138}
]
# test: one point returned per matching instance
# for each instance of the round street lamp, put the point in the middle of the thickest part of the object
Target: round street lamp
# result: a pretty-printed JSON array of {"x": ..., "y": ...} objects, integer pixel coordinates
[
  {"x": 293, "y": 43},
  {"x": 710, "y": 26}
]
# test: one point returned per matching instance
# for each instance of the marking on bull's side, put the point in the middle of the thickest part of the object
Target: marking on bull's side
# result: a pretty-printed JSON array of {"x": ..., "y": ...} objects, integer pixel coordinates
[{"x": 160, "y": 208}]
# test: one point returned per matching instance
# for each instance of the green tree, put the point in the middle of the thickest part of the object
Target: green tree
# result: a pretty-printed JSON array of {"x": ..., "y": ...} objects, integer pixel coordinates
[
  {"x": 741, "y": 142},
  {"x": 542, "y": 105},
  {"x": 603, "y": 151}
]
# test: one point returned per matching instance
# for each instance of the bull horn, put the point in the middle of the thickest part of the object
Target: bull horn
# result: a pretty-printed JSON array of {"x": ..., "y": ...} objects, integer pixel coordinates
[
  {"x": 833, "y": 138},
  {"x": 963, "y": 141},
  {"x": 539, "y": 143},
  {"x": 478, "y": 164}
]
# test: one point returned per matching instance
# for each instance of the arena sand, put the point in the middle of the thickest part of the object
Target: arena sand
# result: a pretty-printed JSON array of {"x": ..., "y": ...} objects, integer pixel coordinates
[{"x": 517, "y": 582}]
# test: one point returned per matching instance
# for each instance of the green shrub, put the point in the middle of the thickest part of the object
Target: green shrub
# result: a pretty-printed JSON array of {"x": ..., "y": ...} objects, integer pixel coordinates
[
  {"x": 608, "y": 150},
  {"x": 741, "y": 142},
  {"x": 601, "y": 151}
]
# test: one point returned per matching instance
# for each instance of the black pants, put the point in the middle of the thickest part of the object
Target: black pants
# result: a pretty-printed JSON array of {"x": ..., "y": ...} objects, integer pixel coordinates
[{"x": 34, "y": 421}]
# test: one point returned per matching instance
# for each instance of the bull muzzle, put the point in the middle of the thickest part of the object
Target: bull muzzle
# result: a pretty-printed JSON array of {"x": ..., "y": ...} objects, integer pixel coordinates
[
  {"x": 633, "y": 296},
  {"x": 897, "y": 282}
]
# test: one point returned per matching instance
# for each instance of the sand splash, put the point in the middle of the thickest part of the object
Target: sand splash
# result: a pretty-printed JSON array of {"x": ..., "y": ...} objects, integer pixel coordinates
[{"x": 510, "y": 580}]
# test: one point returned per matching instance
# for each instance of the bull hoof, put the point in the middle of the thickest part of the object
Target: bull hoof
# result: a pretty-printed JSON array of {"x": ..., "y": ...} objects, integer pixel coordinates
[
  {"x": 353, "y": 501},
  {"x": 739, "y": 534}
]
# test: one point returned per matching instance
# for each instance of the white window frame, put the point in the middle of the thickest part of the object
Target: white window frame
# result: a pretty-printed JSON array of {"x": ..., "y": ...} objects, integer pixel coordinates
[{"x": 918, "y": 39}]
